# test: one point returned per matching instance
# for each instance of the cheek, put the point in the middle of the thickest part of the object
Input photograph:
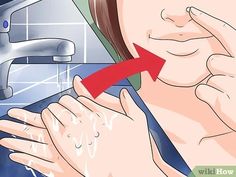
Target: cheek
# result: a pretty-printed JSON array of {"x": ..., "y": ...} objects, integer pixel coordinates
[
  {"x": 184, "y": 73},
  {"x": 181, "y": 71},
  {"x": 190, "y": 71},
  {"x": 135, "y": 23}
]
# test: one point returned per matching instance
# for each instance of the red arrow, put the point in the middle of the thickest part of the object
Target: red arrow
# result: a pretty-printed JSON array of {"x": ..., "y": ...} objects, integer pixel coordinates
[{"x": 110, "y": 75}]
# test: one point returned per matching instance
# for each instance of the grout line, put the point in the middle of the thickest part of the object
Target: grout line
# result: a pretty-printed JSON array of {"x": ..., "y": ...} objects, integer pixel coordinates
[
  {"x": 14, "y": 104},
  {"x": 36, "y": 84},
  {"x": 18, "y": 69},
  {"x": 46, "y": 24},
  {"x": 27, "y": 29},
  {"x": 85, "y": 42}
]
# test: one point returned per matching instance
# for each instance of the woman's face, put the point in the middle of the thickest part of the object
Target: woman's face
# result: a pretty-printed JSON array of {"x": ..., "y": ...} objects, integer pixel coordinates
[{"x": 165, "y": 28}]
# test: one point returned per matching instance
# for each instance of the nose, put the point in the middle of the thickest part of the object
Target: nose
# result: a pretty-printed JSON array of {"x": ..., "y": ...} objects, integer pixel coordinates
[{"x": 179, "y": 17}]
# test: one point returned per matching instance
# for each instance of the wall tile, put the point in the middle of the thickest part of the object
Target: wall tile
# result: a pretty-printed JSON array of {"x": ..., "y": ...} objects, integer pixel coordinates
[
  {"x": 96, "y": 53},
  {"x": 60, "y": 19},
  {"x": 57, "y": 11},
  {"x": 19, "y": 16}
]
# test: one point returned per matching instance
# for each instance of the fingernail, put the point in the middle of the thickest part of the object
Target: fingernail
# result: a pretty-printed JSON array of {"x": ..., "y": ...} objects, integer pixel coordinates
[
  {"x": 11, "y": 111},
  {"x": 188, "y": 9},
  {"x": 77, "y": 78},
  {"x": 124, "y": 93},
  {"x": 195, "y": 11}
]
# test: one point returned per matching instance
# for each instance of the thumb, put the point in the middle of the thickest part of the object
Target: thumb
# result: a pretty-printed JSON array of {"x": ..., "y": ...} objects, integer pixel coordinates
[
  {"x": 130, "y": 107},
  {"x": 210, "y": 95},
  {"x": 79, "y": 87}
]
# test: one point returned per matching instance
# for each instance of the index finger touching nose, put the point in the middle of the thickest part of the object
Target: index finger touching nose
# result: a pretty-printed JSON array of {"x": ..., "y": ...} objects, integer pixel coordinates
[{"x": 222, "y": 30}]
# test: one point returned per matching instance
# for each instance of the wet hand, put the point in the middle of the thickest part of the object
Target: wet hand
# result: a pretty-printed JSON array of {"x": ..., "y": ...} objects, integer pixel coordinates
[
  {"x": 104, "y": 99},
  {"x": 39, "y": 161},
  {"x": 98, "y": 141},
  {"x": 36, "y": 150},
  {"x": 220, "y": 90}
]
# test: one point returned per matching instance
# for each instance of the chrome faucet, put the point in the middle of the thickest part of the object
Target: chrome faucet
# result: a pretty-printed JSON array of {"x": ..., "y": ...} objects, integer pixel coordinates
[{"x": 60, "y": 49}]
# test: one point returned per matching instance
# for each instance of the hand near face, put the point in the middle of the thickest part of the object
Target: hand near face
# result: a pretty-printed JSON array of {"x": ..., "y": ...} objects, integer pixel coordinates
[
  {"x": 99, "y": 141},
  {"x": 220, "y": 90},
  {"x": 36, "y": 151}
]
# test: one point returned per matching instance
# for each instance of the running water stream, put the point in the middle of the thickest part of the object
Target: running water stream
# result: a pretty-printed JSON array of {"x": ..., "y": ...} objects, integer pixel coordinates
[{"x": 63, "y": 77}]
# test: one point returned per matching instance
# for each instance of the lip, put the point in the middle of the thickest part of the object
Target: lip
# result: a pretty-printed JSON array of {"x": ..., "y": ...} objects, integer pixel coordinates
[
  {"x": 182, "y": 44},
  {"x": 180, "y": 37},
  {"x": 185, "y": 54}
]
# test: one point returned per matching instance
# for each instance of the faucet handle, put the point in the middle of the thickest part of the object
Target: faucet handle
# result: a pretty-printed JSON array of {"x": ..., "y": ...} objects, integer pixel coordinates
[{"x": 7, "y": 9}]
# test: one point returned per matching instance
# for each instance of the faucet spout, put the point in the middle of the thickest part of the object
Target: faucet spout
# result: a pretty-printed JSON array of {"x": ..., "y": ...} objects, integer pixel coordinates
[
  {"x": 60, "y": 49},
  {"x": 43, "y": 47},
  {"x": 5, "y": 90}
]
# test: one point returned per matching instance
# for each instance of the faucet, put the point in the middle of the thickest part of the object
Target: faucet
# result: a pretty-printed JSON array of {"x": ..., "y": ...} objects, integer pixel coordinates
[{"x": 60, "y": 49}]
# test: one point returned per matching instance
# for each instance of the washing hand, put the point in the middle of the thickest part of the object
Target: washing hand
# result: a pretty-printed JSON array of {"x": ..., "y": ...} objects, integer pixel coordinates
[
  {"x": 47, "y": 160},
  {"x": 220, "y": 90},
  {"x": 98, "y": 141},
  {"x": 37, "y": 150}
]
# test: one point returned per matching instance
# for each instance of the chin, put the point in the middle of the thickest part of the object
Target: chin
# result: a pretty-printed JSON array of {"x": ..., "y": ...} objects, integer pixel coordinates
[
  {"x": 183, "y": 82},
  {"x": 184, "y": 74}
]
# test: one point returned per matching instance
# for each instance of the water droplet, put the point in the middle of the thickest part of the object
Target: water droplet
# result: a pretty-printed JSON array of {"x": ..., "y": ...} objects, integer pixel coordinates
[
  {"x": 86, "y": 173},
  {"x": 92, "y": 148},
  {"x": 109, "y": 123},
  {"x": 78, "y": 145},
  {"x": 30, "y": 169},
  {"x": 55, "y": 124}
]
